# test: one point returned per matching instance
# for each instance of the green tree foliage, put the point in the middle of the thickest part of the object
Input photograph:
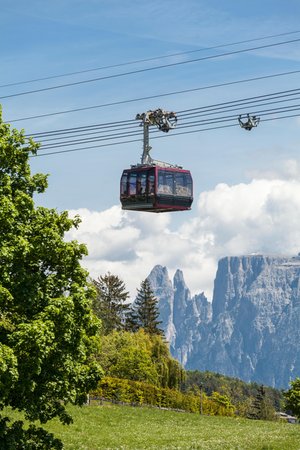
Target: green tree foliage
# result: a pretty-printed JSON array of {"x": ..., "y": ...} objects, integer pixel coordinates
[
  {"x": 145, "y": 312},
  {"x": 261, "y": 409},
  {"x": 224, "y": 405},
  {"x": 137, "y": 392},
  {"x": 131, "y": 320},
  {"x": 127, "y": 355},
  {"x": 15, "y": 437},
  {"x": 109, "y": 304},
  {"x": 48, "y": 331},
  {"x": 240, "y": 393},
  {"x": 140, "y": 357},
  {"x": 292, "y": 397}
]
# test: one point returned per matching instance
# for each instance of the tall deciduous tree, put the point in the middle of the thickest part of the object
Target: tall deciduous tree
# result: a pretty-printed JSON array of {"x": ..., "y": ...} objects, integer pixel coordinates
[
  {"x": 140, "y": 357},
  {"x": 47, "y": 328},
  {"x": 146, "y": 310},
  {"x": 110, "y": 303},
  {"x": 292, "y": 397}
]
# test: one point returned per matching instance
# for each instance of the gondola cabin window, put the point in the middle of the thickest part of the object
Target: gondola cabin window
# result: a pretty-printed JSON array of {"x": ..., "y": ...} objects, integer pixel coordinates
[
  {"x": 141, "y": 183},
  {"x": 174, "y": 183},
  {"x": 132, "y": 183},
  {"x": 124, "y": 184},
  {"x": 165, "y": 182},
  {"x": 183, "y": 184},
  {"x": 151, "y": 182}
]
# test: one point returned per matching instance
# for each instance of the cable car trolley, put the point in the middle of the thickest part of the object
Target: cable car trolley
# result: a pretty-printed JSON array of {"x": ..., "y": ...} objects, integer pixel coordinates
[
  {"x": 156, "y": 186},
  {"x": 250, "y": 122}
]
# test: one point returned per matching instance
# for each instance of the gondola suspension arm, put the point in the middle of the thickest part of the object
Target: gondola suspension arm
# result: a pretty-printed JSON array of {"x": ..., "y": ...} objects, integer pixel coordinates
[{"x": 164, "y": 120}]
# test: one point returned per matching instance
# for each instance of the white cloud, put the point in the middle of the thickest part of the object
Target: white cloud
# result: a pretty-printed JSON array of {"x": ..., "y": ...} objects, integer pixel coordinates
[
  {"x": 286, "y": 170},
  {"x": 261, "y": 216}
]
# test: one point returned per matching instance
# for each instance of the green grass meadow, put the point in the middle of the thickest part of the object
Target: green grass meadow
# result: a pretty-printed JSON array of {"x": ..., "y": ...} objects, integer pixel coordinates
[{"x": 124, "y": 427}]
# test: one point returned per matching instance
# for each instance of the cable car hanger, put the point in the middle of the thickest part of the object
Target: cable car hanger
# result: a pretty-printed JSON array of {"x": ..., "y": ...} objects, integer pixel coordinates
[{"x": 165, "y": 121}]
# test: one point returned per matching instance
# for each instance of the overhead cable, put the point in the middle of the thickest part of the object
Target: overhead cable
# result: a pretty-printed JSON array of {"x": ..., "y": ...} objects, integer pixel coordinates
[
  {"x": 163, "y": 66},
  {"x": 185, "y": 91},
  {"x": 156, "y": 137},
  {"x": 265, "y": 99},
  {"x": 207, "y": 121},
  {"x": 112, "y": 66}
]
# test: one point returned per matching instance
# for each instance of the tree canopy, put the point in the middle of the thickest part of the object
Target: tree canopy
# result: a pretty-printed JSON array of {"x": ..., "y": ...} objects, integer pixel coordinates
[
  {"x": 292, "y": 397},
  {"x": 48, "y": 331},
  {"x": 140, "y": 357}
]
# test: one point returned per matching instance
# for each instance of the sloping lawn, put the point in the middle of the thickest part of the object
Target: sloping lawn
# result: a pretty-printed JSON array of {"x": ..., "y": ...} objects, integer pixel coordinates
[{"x": 124, "y": 427}]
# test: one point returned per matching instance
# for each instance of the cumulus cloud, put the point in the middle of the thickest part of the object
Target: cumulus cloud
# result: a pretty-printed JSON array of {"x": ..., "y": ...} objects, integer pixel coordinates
[{"x": 261, "y": 216}]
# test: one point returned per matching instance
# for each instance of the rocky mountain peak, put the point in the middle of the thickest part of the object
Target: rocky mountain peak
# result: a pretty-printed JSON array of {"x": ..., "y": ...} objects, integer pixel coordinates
[
  {"x": 159, "y": 276},
  {"x": 179, "y": 312},
  {"x": 178, "y": 278}
]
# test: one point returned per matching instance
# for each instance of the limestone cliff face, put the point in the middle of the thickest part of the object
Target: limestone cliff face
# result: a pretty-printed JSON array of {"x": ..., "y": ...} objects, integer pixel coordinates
[
  {"x": 163, "y": 290},
  {"x": 182, "y": 316},
  {"x": 254, "y": 332},
  {"x": 252, "y": 328}
]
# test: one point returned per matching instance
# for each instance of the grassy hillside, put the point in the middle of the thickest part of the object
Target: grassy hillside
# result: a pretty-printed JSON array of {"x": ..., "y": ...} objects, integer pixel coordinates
[{"x": 127, "y": 428}]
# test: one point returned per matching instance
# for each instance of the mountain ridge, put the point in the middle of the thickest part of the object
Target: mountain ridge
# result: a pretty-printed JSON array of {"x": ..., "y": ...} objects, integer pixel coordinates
[{"x": 250, "y": 330}]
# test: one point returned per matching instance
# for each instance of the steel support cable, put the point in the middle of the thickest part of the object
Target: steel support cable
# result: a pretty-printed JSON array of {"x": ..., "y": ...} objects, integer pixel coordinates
[
  {"x": 112, "y": 66},
  {"x": 182, "y": 126},
  {"x": 234, "y": 117},
  {"x": 179, "y": 114},
  {"x": 162, "y": 66},
  {"x": 96, "y": 134},
  {"x": 228, "y": 108},
  {"x": 277, "y": 110},
  {"x": 123, "y": 135},
  {"x": 110, "y": 144},
  {"x": 224, "y": 126},
  {"x": 203, "y": 122},
  {"x": 281, "y": 117},
  {"x": 278, "y": 94},
  {"x": 237, "y": 107},
  {"x": 80, "y": 133},
  {"x": 117, "y": 136},
  {"x": 150, "y": 97},
  {"x": 155, "y": 137},
  {"x": 262, "y": 112},
  {"x": 101, "y": 138},
  {"x": 102, "y": 125}
]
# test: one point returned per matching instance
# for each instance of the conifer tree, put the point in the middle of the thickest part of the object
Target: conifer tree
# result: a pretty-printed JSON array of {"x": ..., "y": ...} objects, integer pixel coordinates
[
  {"x": 131, "y": 321},
  {"x": 110, "y": 303},
  {"x": 261, "y": 406},
  {"x": 146, "y": 309}
]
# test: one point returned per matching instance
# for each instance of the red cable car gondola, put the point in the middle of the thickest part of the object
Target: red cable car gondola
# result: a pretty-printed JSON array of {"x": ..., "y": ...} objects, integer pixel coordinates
[
  {"x": 156, "y": 189},
  {"x": 154, "y": 186}
]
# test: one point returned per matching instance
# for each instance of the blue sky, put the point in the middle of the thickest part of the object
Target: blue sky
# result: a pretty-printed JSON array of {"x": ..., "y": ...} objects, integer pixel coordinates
[{"x": 41, "y": 39}]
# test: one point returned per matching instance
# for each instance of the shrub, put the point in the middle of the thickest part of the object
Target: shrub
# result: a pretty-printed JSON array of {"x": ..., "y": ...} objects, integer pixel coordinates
[{"x": 137, "y": 392}]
